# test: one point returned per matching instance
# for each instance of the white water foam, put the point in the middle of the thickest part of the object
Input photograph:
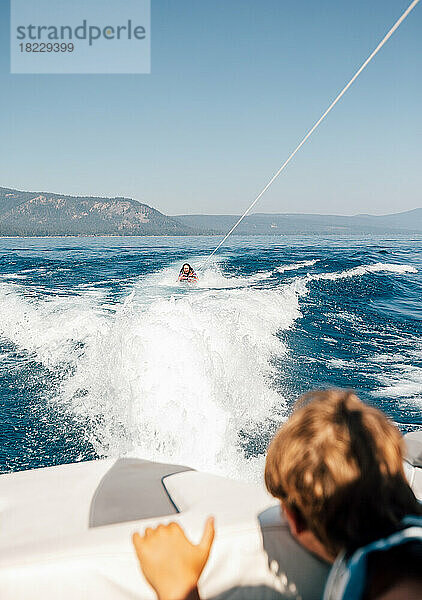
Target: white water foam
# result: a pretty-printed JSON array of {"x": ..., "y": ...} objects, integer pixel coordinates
[
  {"x": 172, "y": 373},
  {"x": 296, "y": 266},
  {"x": 363, "y": 270},
  {"x": 49, "y": 329},
  {"x": 180, "y": 377},
  {"x": 12, "y": 276},
  {"x": 211, "y": 277},
  {"x": 403, "y": 378},
  {"x": 299, "y": 284}
]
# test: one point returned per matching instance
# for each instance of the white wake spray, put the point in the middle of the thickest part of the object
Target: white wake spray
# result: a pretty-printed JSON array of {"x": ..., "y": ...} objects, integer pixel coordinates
[
  {"x": 300, "y": 284},
  {"x": 172, "y": 373},
  {"x": 177, "y": 379}
]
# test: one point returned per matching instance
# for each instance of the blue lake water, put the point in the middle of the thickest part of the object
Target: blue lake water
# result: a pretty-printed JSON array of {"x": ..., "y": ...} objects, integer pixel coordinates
[{"x": 104, "y": 354}]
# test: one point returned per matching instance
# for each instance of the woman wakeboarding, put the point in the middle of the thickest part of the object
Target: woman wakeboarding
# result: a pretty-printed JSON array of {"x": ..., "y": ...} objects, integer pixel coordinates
[{"x": 187, "y": 274}]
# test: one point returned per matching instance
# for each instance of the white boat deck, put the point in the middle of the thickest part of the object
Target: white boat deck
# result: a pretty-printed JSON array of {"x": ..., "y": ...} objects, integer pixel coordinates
[{"x": 49, "y": 550}]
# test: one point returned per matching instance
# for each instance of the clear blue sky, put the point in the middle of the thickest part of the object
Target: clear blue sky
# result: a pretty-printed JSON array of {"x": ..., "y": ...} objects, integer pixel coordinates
[{"x": 234, "y": 86}]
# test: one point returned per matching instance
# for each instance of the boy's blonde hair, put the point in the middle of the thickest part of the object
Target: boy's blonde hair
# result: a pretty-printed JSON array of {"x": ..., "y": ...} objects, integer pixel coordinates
[{"x": 338, "y": 465}]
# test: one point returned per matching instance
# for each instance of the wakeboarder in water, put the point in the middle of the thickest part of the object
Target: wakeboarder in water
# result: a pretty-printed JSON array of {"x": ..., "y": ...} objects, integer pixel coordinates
[{"x": 187, "y": 274}]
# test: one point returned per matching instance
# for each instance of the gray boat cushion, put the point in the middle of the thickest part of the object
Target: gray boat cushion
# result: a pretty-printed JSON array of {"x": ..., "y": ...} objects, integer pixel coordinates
[
  {"x": 300, "y": 573},
  {"x": 131, "y": 490},
  {"x": 414, "y": 448}
]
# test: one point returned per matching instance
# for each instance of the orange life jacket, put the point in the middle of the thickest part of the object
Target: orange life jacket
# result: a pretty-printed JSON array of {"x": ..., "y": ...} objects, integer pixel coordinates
[{"x": 191, "y": 276}]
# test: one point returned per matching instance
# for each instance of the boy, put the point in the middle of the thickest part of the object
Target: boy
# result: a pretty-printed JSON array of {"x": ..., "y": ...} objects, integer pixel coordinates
[{"x": 337, "y": 468}]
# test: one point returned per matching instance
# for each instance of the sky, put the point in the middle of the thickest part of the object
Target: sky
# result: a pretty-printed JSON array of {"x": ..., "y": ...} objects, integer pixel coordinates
[{"x": 234, "y": 86}]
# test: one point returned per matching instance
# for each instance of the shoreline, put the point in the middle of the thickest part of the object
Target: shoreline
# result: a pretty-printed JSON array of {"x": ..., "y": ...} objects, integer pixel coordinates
[{"x": 219, "y": 235}]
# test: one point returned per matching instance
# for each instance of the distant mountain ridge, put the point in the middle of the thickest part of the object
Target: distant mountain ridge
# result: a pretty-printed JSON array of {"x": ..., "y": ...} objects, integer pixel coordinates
[
  {"x": 43, "y": 213},
  {"x": 276, "y": 224}
]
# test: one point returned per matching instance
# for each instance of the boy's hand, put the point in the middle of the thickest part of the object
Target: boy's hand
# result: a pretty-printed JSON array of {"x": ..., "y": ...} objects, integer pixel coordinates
[{"x": 170, "y": 563}]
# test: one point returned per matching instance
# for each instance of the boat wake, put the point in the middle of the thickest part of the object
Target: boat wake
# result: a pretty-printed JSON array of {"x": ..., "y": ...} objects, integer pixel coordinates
[{"x": 174, "y": 373}]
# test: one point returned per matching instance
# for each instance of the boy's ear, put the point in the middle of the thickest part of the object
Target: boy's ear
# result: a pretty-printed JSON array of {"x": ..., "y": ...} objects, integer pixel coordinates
[{"x": 296, "y": 522}]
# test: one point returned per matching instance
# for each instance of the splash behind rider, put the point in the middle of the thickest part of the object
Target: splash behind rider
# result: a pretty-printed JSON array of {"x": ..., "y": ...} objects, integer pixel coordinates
[{"x": 187, "y": 274}]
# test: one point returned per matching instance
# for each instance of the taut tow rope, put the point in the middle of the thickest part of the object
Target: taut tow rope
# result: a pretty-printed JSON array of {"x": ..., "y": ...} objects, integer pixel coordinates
[{"x": 310, "y": 132}]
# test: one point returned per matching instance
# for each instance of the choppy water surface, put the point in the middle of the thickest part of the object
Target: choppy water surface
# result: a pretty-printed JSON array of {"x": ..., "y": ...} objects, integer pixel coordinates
[{"x": 104, "y": 354}]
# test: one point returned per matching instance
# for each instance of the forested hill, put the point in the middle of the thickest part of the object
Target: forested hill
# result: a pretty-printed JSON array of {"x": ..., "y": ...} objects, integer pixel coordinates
[{"x": 42, "y": 213}]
